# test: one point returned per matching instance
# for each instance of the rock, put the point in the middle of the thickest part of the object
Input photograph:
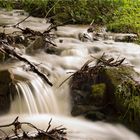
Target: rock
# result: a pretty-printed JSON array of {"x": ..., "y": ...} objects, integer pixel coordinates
[
  {"x": 87, "y": 111},
  {"x": 53, "y": 50},
  {"x": 37, "y": 44},
  {"x": 94, "y": 49},
  {"x": 112, "y": 95},
  {"x": 85, "y": 37},
  {"x": 6, "y": 76},
  {"x": 7, "y": 90},
  {"x": 125, "y": 37}
]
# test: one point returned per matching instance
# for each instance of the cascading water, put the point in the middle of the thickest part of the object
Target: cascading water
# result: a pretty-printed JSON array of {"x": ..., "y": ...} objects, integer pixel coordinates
[
  {"x": 34, "y": 96},
  {"x": 37, "y": 102}
]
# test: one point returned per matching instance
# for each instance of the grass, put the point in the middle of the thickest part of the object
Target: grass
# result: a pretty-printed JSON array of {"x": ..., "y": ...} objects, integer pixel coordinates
[{"x": 117, "y": 15}]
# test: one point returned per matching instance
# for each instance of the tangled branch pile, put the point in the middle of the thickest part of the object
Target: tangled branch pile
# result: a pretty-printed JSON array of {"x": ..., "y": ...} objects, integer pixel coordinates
[{"x": 58, "y": 133}]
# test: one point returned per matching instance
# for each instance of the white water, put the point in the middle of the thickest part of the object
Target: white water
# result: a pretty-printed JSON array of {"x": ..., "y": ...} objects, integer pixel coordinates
[{"x": 37, "y": 103}]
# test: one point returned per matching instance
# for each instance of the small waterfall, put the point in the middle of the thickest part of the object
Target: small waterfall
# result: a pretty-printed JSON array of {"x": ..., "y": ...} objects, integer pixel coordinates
[{"x": 34, "y": 96}]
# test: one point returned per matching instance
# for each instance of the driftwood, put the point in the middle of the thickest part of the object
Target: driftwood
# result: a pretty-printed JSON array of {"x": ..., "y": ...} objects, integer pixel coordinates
[
  {"x": 57, "y": 133},
  {"x": 4, "y": 48}
]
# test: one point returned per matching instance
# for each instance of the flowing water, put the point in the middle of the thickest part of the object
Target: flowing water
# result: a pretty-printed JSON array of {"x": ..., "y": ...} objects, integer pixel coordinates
[{"x": 37, "y": 102}]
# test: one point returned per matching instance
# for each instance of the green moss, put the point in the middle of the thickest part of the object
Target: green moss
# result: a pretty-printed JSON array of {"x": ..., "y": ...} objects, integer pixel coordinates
[
  {"x": 115, "y": 75},
  {"x": 98, "y": 89},
  {"x": 114, "y": 97},
  {"x": 131, "y": 116},
  {"x": 133, "y": 112},
  {"x": 124, "y": 92},
  {"x": 128, "y": 103}
]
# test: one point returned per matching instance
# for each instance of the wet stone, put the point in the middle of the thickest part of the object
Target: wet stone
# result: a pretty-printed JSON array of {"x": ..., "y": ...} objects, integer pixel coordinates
[{"x": 7, "y": 90}]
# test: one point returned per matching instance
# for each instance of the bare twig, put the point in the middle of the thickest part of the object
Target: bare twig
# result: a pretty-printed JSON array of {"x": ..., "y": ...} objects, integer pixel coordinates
[
  {"x": 66, "y": 80},
  {"x": 53, "y": 134},
  {"x": 49, "y": 125},
  {"x": 17, "y": 24}
]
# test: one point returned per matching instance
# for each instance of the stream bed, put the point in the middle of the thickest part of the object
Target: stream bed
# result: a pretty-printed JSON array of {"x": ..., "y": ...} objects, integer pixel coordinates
[{"x": 36, "y": 102}]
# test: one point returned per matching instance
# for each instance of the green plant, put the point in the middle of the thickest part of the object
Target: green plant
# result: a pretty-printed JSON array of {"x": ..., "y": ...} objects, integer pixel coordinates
[
  {"x": 126, "y": 18},
  {"x": 8, "y": 4},
  {"x": 117, "y": 15}
]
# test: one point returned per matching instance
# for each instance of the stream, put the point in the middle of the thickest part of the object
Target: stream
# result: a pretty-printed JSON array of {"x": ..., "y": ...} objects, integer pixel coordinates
[{"x": 36, "y": 102}]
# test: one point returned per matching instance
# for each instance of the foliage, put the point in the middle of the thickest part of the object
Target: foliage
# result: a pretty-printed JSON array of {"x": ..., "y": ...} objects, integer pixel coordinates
[
  {"x": 118, "y": 15},
  {"x": 126, "y": 18},
  {"x": 6, "y": 4}
]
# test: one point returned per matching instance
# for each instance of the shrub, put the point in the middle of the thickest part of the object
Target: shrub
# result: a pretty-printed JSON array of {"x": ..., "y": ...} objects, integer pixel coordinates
[{"x": 117, "y": 15}]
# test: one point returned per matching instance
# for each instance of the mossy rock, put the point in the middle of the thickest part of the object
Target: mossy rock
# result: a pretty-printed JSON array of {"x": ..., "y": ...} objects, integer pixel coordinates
[
  {"x": 122, "y": 93},
  {"x": 114, "y": 93},
  {"x": 112, "y": 77},
  {"x": 98, "y": 91},
  {"x": 128, "y": 103},
  {"x": 36, "y": 45}
]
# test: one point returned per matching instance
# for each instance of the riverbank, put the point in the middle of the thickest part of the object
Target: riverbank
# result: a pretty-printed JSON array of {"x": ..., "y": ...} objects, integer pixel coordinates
[{"x": 118, "y": 16}]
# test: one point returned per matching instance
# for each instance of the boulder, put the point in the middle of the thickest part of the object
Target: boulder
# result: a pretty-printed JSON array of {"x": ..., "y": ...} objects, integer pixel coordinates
[
  {"x": 7, "y": 90},
  {"x": 53, "y": 50},
  {"x": 112, "y": 95},
  {"x": 125, "y": 37}
]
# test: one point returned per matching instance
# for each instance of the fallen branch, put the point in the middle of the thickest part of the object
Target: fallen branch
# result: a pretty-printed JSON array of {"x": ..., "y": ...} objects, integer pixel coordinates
[
  {"x": 18, "y": 133},
  {"x": 17, "y": 24},
  {"x": 11, "y": 52}
]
